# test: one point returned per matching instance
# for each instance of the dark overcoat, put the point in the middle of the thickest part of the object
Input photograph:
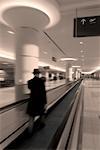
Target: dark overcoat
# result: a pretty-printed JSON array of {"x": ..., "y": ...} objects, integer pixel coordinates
[{"x": 37, "y": 97}]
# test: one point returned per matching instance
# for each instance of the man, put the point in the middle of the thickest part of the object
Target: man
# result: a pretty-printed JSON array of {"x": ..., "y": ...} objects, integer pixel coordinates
[{"x": 38, "y": 101}]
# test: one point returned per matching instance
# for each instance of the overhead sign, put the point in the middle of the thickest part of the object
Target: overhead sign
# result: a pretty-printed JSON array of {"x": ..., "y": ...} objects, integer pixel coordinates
[
  {"x": 54, "y": 59},
  {"x": 87, "y": 26}
]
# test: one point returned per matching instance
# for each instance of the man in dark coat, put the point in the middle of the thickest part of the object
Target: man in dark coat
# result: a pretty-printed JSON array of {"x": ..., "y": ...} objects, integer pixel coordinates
[{"x": 38, "y": 101}]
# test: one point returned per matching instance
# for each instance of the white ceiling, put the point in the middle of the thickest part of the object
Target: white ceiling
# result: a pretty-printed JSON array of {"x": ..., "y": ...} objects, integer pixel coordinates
[
  {"x": 62, "y": 33},
  {"x": 58, "y": 41}
]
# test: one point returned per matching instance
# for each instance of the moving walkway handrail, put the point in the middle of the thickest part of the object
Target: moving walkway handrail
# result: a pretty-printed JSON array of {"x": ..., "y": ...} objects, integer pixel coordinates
[
  {"x": 56, "y": 138},
  {"x": 20, "y": 102},
  {"x": 58, "y": 100},
  {"x": 66, "y": 134}
]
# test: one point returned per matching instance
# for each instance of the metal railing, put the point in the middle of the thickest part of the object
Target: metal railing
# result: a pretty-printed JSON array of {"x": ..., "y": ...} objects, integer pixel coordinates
[{"x": 69, "y": 138}]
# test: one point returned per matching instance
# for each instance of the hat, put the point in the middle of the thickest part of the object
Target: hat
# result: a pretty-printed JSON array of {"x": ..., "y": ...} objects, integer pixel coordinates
[{"x": 36, "y": 71}]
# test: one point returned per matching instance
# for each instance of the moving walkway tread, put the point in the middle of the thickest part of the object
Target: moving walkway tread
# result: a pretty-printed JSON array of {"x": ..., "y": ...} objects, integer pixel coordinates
[{"x": 47, "y": 137}]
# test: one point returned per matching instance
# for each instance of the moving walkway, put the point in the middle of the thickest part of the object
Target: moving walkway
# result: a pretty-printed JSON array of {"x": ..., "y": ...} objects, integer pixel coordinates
[{"x": 57, "y": 116}]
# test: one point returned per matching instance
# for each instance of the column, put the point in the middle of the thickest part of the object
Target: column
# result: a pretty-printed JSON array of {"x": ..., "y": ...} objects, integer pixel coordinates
[
  {"x": 27, "y": 57},
  {"x": 27, "y": 54},
  {"x": 75, "y": 74},
  {"x": 69, "y": 72},
  {"x": 79, "y": 74},
  {"x": 47, "y": 75}
]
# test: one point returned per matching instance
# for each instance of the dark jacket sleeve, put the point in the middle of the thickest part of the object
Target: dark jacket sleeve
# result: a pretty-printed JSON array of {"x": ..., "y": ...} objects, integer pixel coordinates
[
  {"x": 29, "y": 84},
  {"x": 43, "y": 92}
]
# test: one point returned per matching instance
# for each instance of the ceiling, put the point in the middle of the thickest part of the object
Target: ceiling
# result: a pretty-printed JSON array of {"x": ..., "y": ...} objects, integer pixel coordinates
[{"x": 58, "y": 41}]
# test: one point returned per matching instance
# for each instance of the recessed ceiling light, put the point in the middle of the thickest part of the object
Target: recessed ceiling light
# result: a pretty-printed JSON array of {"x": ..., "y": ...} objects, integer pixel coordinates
[
  {"x": 44, "y": 52},
  {"x": 81, "y": 51},
  {"x": 81, "y": 42},
  {"x": 76, "y": 66},
  {"x": 79, "y": 69},
  {"x": 11, "y": 32},
  {"x": 67, "y": 59},
  {"x": 5, "y": 63}
]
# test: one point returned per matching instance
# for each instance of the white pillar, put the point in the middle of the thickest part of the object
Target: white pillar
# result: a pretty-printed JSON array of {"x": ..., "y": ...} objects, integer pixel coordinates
[
  {"x": 76, "y": 74},
  {"x": 47, "y": 75},
  {"x": 27, "y": 57},
  {"x": 27, "y": 54},
  {"x": 68, "y": 72},
  {"x": 57, "y": 75}
]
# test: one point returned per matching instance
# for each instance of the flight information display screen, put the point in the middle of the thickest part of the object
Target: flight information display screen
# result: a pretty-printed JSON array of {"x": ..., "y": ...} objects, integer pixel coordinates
[{"x": 87, "y": 26}]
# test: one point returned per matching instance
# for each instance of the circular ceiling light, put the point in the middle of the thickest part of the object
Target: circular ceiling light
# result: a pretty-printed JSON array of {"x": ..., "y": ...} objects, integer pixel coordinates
[
  {"x": 49, "y": 7},
  {"x": 76, "y": 66},
  {"x": 81, "y": 51},
  {"x": 68, "y": 59},
  {"x": 81, "y": 43},
  {"x": 11, "y": 32}
]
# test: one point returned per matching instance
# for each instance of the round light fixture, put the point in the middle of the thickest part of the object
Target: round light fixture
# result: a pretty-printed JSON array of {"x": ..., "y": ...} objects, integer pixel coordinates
[
  {"x": 49, "y": 7},
  {"x": 68, "y": 59},
  {"x": 11, "y": 32}
]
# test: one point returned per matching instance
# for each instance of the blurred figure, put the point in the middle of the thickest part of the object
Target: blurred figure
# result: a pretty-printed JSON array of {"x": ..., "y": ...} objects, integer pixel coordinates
[
  {"x": 38, "y": 101},
  {"x": 50, "y": 77},
  {"x": 55, "y": 77},
  {"x": 43, "y": 77}
]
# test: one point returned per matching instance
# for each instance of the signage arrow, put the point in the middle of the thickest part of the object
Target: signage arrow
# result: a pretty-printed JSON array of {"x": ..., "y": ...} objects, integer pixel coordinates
[
  {"x": 92, "y": 20},
  {"x": 83, "y": 21}
]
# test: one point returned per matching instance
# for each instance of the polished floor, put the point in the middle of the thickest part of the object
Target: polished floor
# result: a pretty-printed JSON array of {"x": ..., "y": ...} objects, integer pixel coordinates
[
  {"x": 8, "y": 95},
  {"x": 91, "y": 115}
]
